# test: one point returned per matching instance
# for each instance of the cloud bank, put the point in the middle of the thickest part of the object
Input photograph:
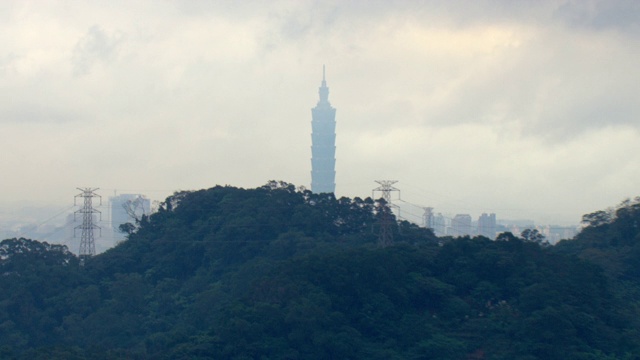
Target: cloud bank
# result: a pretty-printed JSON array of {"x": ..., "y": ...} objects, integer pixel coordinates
[{"x": 526, "y": 109}]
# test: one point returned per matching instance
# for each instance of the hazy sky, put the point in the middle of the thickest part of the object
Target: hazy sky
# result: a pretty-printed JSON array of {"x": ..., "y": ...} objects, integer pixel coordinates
[{"x": 528, "y": 109}]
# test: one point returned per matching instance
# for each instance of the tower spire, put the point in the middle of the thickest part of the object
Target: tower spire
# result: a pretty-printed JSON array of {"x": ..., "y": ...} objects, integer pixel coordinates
[{"x": 323, "y": 90}]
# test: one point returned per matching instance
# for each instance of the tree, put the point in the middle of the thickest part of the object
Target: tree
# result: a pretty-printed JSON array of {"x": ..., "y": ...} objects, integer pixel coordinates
[
  {"x": 281, "y": 273},
  {"x": 532, "y": 236},
  {"x": 597, "y": 218},
  {"x": 127, "y": 228},
  {"x": 506, "y": 236}
]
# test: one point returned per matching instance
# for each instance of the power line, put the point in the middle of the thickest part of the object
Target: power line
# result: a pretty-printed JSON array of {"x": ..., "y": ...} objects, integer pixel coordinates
[{"x": 47, "y": 220}]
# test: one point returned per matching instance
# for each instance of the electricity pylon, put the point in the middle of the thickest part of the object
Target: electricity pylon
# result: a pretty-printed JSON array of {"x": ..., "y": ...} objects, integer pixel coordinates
[
  {"x": 386, "y": 216},
  {"x": 87, "y": 240}
]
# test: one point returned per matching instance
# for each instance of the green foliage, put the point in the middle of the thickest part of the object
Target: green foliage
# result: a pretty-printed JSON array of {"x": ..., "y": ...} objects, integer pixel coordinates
[
  {"x": 281, "y": 273},
  {"x": 610, "y": 239},
  {"x": 533, "y": 235}
]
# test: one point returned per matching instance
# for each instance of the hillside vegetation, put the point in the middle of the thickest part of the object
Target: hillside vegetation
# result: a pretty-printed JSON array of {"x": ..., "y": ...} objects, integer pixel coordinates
[{"x": 280, "y": 273}]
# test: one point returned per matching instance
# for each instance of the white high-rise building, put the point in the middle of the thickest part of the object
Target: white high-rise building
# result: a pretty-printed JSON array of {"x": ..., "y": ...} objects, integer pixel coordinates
[
  {"x": 460, "y": 225},
  {"x": 487, "y": 225}
]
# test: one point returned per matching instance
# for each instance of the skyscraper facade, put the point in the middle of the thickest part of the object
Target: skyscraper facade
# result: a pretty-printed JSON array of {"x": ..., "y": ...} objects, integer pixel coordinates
[
  {"x": 433, "y": 221},
  {"x": 461, "y": 225},
  {"x": 323, "y": 143},
  {"x": 487, "y": 225}
]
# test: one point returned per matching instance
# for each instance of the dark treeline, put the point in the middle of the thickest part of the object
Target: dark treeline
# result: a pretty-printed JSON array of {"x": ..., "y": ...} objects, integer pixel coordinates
[{"x": 281, "y": 273}]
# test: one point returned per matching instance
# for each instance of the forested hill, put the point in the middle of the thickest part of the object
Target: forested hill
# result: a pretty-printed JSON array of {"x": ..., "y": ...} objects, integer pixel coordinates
[{"x": 280, "y": 273}]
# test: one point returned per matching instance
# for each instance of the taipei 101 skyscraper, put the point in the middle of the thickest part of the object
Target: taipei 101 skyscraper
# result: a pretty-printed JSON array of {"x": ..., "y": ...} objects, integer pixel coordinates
[{"x": 323, "y": 143}]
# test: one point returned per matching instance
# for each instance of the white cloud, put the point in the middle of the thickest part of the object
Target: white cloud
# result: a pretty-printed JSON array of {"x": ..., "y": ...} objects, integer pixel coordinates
[
  {"x": 95, "y": 47},
  {"x": 485, "y": 103}
]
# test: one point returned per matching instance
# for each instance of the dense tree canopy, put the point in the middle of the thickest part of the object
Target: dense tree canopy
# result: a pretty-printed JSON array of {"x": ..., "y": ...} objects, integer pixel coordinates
[{"x": 281, "y": 273}]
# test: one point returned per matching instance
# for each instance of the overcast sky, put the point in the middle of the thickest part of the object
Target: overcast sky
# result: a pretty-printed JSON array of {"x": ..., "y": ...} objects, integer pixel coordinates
[{"x": 528, "y": 109}]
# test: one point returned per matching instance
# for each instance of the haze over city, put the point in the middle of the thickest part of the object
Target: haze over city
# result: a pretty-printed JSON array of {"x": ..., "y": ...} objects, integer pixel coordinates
[{"x": 524, "y": 109}]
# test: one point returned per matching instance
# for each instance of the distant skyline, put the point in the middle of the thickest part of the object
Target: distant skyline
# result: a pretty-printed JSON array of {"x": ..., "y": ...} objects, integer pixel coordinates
[{"x": 524, "y": 109}]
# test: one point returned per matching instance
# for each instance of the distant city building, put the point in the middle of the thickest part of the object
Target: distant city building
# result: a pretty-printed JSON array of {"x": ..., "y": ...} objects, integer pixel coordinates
[
  {"x": 461, "y": 225},
  {"x": 439, "y": 225},
  {"x": 487, "y": 225},
  {"x": 427, "y": 218},
  {"x": 514, "y": 226},
  {"x": 323, "y": 143},
  {"x": 555, "y": 233},
  {"x": 435, "y": 222},
  {"x": 126, "y": 208}
]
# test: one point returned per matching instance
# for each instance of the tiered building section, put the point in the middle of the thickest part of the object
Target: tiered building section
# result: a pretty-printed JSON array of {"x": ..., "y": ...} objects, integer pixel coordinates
[{"x": 323, "y": 143}]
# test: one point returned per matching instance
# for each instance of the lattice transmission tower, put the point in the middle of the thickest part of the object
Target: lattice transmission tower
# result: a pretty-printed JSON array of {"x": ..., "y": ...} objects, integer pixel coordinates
[
  {"x": 87, "y": 239},
  {"x": 385, "y": 237}
]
